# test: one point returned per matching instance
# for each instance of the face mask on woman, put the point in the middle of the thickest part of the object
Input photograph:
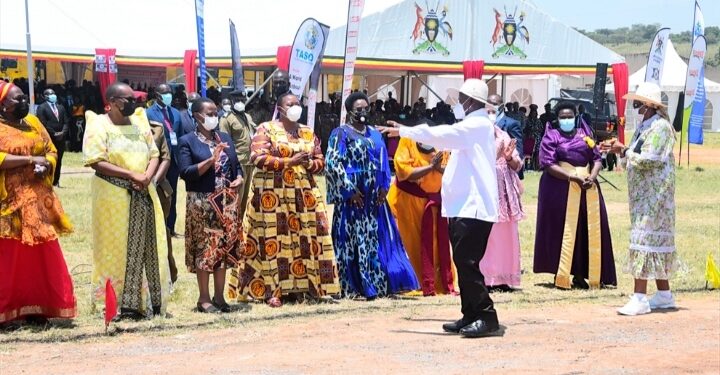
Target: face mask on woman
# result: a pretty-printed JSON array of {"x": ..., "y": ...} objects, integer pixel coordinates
[
  {"x": 210, "y": 123},
  {"x": 361, "y": 115},
  {"x": 293, "y": 113},
  {"x": 239, "y": 106},
  {"x": 227, "y": 108},
  {"x": 128, "y": 108},
  {"x": 567, "y": 124}
]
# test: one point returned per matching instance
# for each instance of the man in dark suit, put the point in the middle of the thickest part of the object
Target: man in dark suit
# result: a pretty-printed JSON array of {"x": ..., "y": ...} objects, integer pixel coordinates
[
  {"x": 188, "y": 124},
  {"x": 509, "y": 125},
  {"x": 56, "y": 121},
  {"x": 162, "y": 112}
]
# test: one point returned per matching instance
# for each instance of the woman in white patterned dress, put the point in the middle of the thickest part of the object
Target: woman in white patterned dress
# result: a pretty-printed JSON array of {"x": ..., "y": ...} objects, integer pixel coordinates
[{"x": 650, "y": 167}]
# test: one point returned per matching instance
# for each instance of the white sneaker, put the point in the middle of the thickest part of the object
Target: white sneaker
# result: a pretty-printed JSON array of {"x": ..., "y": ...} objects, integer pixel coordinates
[
  {"x": 660, "y": 302},
  {"x": 635, "y": 307}
]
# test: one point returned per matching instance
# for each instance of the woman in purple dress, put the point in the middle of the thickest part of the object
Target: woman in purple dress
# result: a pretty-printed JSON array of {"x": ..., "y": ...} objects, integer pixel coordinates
[{"x": 573, "y": 235}]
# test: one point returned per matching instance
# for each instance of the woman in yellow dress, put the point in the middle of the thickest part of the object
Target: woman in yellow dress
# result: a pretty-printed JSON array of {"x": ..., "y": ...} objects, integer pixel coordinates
[
  {"x": 415, "y": 201},
  {"x": 129, "y": 240}
]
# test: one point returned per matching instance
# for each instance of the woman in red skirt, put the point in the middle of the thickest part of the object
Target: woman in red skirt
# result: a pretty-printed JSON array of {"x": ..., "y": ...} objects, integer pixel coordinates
[{"x": 34, "y": 281}]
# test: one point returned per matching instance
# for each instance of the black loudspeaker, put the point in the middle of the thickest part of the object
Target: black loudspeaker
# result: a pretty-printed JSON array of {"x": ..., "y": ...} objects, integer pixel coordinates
[{"x": 599, "y": 87}]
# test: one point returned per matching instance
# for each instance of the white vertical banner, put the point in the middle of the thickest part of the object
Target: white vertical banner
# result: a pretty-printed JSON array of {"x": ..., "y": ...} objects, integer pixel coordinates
[
  {"x": 315, "y": 80},
  {"x": 352, "y": 39},
  {"x": 656, "y": 58},
  {"x": 305, "y": 54}
]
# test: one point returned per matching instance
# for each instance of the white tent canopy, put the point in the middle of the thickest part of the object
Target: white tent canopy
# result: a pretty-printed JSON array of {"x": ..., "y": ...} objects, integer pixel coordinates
[
  {"x": 473, "y": 30},
  {"x": 673, "y": 83}
]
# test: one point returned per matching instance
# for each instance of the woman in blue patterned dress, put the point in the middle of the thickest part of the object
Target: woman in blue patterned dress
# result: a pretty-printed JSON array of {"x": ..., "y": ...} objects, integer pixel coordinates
[{"x": 370, "y": 255}]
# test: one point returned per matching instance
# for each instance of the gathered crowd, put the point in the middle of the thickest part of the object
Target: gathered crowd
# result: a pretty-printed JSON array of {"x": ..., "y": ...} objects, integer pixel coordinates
[{"x": 427, "y": 209}]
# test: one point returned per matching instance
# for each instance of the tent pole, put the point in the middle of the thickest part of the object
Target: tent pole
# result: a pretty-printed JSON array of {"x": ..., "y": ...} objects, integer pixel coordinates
[
  {"x": 30, "y": 64},
  {"x": 503, "y": 86},
  {"x": 261, "y": 86},
  {"x": 408, "y": 93},
  {"x": 426, "y": 85},
  {"x": 388, "y": 85}
]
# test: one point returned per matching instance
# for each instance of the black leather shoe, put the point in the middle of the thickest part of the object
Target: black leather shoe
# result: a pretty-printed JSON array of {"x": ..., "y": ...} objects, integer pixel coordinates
[
  {"x": 479, "y": 328},
  {"x": 455, "y": 327}
]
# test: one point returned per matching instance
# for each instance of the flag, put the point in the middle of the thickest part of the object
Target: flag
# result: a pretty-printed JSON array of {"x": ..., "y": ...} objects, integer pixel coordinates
[
  {"x": 305, "y": 53},
  {"x": 656, "y": 58},
  {"x": 110, "y": 303},
  {"x": 352, "y": 39},
  {"x": 315, "y": 80},
  {"x": 200, "y": 23},
  {"x": 695, "y": 124},
  {"x": 237, "y": 71},
  {"x": 712, "y": 273},
  {"x": 695, "y": 93}
]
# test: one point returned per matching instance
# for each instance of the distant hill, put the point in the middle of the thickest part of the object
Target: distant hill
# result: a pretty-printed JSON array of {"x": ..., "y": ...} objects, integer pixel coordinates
[{"x": 636, "y": 39}]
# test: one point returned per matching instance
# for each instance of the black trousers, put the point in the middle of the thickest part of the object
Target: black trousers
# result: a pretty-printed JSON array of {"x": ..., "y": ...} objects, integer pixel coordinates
[
  {"x": 469, "y": 238},
  {"x": 172, "y": 176},
  {"x": 60, "y": 146}
]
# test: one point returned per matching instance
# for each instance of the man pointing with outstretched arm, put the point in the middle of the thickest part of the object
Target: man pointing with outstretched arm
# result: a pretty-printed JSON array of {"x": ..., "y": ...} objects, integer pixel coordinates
[{"x": 470, "y": 199}]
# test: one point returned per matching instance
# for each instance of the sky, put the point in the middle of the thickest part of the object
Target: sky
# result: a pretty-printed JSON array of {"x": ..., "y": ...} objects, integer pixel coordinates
[{"x": 266, "y": 24}]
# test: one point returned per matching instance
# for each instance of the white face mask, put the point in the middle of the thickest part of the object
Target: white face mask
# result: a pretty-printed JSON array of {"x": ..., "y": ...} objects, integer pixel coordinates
[
  {"x": 227, "y": 108},
  {"x": 210, "y": 123},
  {"x": 459, "y": 111},
  {"x": 293, "y": 113},
  {"x": 640, "y": 113},
  {"x": 492, "y": 117},
  {"x": 239, "y": 106}
]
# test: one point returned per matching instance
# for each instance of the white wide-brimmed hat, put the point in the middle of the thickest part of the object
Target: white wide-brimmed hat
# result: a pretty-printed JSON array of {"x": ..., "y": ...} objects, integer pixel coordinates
[
  {"x": 474, "y": 88},
  {"x": 648, "y": 93}
]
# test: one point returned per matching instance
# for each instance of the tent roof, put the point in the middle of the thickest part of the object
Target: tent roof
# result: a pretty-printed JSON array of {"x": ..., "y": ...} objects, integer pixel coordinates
[
  {"x": 387, "y": 41},
  {"x": 674, "y": 74},
  {"x": 71, "y": 30}
]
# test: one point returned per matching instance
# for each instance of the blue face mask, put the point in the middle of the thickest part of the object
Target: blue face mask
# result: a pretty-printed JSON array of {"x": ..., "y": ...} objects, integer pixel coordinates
[
  {"x": 52, "y": 98},
  {"x": 167, "y": 99},
  {"x": 567, "y": 124}
]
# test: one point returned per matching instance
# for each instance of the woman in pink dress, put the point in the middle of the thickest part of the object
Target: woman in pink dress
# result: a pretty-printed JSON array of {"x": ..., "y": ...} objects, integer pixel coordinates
[{"x": 501, "y": 263}]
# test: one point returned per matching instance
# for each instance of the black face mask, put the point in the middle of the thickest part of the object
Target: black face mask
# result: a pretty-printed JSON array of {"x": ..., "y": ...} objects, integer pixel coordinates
[
  {"x": 361, "y": 116},
  {"x": 128, "y": 109},
  {"x": 21, "y": 109}
]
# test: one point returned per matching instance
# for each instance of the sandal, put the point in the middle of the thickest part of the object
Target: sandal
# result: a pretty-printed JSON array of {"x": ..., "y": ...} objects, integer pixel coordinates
[
  {"x": 207, "y": 310},
  {"x": 223, "y": 307}
]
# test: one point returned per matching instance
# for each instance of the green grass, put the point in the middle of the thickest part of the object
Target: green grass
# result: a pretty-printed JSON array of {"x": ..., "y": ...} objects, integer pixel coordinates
[{"x": 698, "y": 232}]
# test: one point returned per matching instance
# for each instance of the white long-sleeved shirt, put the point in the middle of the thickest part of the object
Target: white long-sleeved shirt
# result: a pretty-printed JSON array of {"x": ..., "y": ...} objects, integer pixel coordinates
[{"x": 469, "y": 184}]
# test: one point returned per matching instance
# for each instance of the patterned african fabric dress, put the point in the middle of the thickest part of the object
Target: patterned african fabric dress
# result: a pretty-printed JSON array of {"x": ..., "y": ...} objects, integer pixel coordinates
[
  {"x": 288, "y": 248},
  {"x": 651, "y": 186},
  {"x": 130, "y": 147},
  {"x": 371, "y": 256},
  {"x": 213, "y": 231},
  {"x": 424, "y": 232},
  {"x": 34, "y": 278},
  {"x": 572, "y": 152},
  {"x": 501, "y": 263}
]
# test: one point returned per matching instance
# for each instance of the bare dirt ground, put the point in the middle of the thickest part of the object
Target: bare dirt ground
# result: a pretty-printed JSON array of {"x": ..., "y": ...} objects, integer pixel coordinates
[{"x": 558, "y": 339}]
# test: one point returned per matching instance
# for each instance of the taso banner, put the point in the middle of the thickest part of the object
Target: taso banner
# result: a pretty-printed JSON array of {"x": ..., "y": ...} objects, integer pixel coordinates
[
  {"x": 315, "y": 80},
  {"x": 305, "y": 54},
  {"x": 237, "y": 71},
  {"x": 694, "y": 110},
  {"x": 693, "y": 127},
  {"x": 200, "y": 21},
  {"x": 352, "y": 38},
  {"x": 656, "y": 58}
]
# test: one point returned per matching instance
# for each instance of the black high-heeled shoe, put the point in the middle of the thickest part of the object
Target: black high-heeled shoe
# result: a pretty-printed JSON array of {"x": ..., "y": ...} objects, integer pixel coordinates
[
  {"x": 223, "y": 307},
  {"x": 209, "y": 310}
]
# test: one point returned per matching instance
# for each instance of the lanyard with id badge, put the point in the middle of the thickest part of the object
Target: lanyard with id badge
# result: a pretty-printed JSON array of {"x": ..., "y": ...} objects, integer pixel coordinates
[{"x": 173, "y": 135}]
